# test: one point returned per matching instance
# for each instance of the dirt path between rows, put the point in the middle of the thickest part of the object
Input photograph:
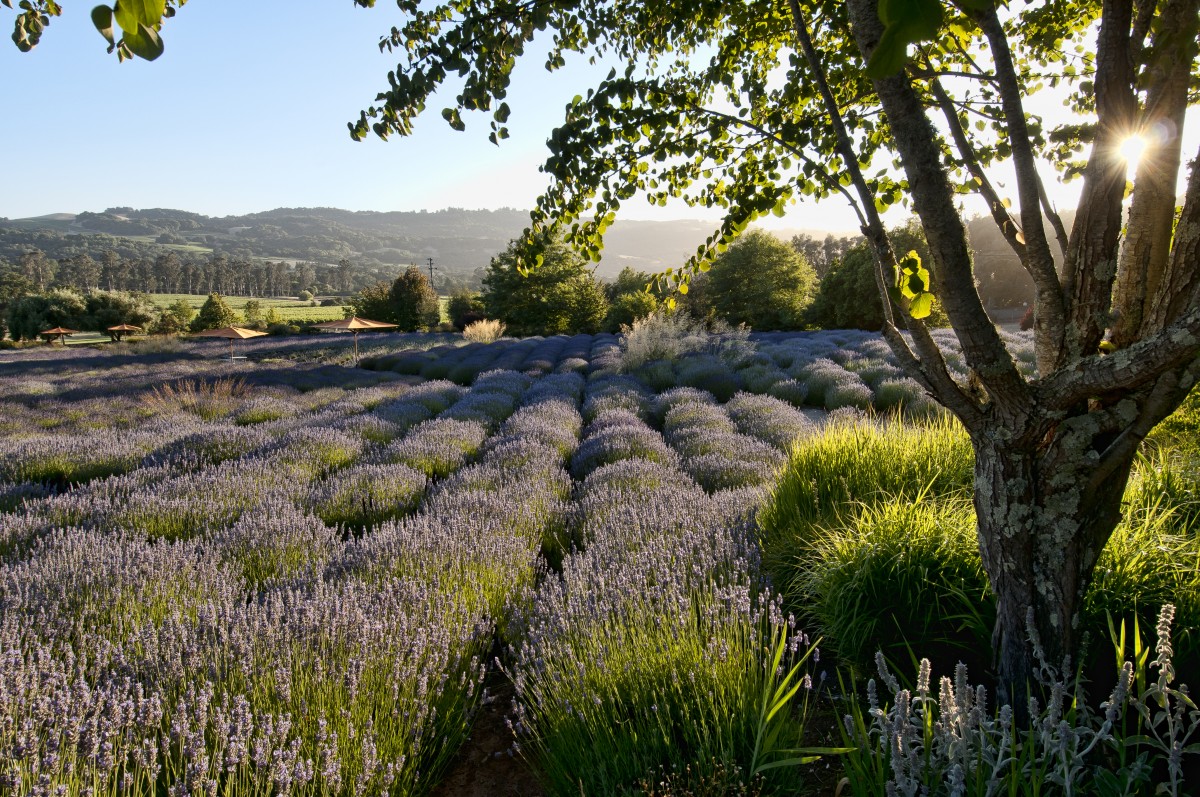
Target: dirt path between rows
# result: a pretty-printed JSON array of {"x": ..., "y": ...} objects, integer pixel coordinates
[{"x": 485, "y": 766}]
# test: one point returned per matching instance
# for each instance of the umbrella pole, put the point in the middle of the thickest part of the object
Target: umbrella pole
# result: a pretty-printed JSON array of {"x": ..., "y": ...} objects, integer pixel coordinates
[
  {"x": 231, "y": 350},
  {"x": 356, "y": 347}
]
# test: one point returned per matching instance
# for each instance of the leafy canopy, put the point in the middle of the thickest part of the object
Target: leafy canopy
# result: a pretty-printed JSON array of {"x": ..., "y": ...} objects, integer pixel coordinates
[
  {"x": 561, "y": 297},
  {"x": 761, "y": 282},
  {"x": 713, "y": 103},
  {"x": 131, "y": 27}
]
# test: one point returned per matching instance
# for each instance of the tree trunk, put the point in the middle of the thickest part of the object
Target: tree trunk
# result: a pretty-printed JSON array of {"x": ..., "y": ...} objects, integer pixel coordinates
[{"x": 1042, "y": 525}]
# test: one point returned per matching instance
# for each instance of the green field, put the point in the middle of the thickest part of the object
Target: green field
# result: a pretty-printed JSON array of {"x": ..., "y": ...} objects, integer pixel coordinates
[{"x": 288, "y": 309}]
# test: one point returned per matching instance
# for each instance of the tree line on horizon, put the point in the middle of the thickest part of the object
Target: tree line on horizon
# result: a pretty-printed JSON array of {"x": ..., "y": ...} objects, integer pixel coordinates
[{"x": 761, "y": 281}]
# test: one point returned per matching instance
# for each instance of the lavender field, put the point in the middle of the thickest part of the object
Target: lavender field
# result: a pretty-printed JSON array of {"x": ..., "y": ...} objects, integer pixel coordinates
[{"x": 287, "y": 575}]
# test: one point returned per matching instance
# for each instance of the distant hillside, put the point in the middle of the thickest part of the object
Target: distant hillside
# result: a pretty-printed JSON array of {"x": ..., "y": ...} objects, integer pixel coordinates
[{"x": 460, "y": 241}]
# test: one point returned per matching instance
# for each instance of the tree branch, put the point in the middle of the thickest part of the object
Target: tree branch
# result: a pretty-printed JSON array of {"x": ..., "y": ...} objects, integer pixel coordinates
[
  {"x": 1091, "y": 265},
  {"x": 930, "y": 369},
  {"x": 1050, "y": 313},
  {"x": 920, "y": 152},
  {"x": 1126, "y": 369},
  {"x": 1060, "y": 231},
  {"x": 826, "y": 177},
  {"x": 1008, "y": 227},
  {"x": 1168, "y": 391}
]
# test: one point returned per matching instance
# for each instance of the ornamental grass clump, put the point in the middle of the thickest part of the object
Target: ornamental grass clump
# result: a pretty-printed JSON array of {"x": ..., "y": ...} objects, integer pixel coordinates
[
  {"x": 905, "y": 396},
  {"x": 485, "y": 331},
  {"x": 857, "y": 460},
  {"x": 364, "y": 496},
  {"x": 1167, "y": 478},
  {"x": 208, "y": 399},
  {"x": 1137, "y": 741},
  {"x": 897, "y": 576}
]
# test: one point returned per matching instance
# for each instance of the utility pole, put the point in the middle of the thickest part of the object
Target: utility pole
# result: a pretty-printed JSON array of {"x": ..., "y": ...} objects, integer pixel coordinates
[{"x": 429, "y": 260}]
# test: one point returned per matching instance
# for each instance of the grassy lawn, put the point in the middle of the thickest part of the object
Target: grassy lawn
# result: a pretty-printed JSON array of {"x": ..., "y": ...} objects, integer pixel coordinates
[{"x": 288, "y": 309}]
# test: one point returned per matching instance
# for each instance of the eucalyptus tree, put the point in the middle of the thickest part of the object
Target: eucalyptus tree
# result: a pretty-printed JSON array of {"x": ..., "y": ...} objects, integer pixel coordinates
[{"x": 745, "y": 106}]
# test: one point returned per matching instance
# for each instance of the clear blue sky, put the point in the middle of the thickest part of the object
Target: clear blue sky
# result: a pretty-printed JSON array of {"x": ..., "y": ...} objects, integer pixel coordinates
[{"x": 247, "y": 110}]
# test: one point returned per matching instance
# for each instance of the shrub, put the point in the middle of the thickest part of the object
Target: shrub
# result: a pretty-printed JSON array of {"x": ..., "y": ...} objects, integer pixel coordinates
[
  {"x": 669, "y": 336},
  {"x": 367, "y": 495},
  {"x": 484, "y": 331},
  {"x": 614, "y": 443},
  {"x": 560, "y": 296},
  {"x": 709, "y": 373},
  {"x": 761, "y": 282},
  {"x": 849, "y": 394},
  {"x": 214, "y": 314}
]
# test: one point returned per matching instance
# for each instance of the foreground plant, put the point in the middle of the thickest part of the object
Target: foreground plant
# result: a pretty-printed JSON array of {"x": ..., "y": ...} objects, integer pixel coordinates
[{"x": 953, "y": 744}]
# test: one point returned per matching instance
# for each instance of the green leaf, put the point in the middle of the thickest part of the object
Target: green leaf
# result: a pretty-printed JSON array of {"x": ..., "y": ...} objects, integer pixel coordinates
[
  {"x": 453, "y": 118},
  {"x": 102, "y": 18},
  {"x": 921, "y": 306},
  {"x": 131, "y": 14},
  {"x": 144, "y": 43},
  {"x": 907, "y": 22}
]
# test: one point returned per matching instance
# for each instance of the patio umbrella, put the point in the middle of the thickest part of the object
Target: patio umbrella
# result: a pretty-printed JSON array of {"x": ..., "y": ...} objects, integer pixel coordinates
[
  {"x": 232, "y": 334},
  {"x": 354, "y": 324},
  {"x": 58, "y": 332},
  {"x": 121, "y": 329}
]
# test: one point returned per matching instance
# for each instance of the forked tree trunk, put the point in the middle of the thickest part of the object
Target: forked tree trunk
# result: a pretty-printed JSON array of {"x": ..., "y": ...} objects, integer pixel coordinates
[{"x": 1053, "y": 454}]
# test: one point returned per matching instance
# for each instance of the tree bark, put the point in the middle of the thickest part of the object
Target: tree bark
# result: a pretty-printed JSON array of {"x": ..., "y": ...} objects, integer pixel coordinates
[{"x": 1042, "y": 524}]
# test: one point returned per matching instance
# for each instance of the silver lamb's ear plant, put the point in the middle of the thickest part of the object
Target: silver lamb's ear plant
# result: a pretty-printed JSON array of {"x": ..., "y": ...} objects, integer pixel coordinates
[{"x": 953, "y": 745}]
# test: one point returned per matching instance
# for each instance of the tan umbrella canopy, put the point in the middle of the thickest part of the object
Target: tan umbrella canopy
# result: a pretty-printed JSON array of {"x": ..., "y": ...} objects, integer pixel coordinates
[
  {"x": 354, "y": 324},
  {"x": 58, "y": 332},
  {"x": 231, "y": 334},
  {"x": 121, "y": 329}
]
